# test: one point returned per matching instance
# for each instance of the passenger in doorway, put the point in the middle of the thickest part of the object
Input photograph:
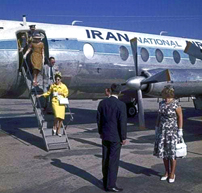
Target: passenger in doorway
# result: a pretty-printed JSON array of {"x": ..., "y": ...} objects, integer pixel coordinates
[
  {"x": 37, "y": 56},
  {"x": 58, "y": 89},
  {"x": 168, "y": 131},
  {"x": 112, "y": 127},
  {"x": 31, "y": 33},
  {"x": 22, "y": 42}
]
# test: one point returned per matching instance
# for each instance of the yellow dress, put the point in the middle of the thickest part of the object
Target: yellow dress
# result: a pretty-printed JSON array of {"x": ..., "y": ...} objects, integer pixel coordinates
[
  {"x": 58, "y": 110},
  {"x": 37, "y": 55}
]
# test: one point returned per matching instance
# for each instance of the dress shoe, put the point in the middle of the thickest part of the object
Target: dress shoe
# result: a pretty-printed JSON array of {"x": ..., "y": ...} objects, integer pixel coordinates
[
  {"x": 114, "y": 189},
  {"x": 54, "y": 132},
  {"x": 163, "y": 178},
  {"x": 172, "y": 180},
  {"x": 59, "y": 135}
]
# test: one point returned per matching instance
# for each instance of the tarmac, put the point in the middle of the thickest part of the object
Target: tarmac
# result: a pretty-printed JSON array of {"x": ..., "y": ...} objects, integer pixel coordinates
[{"x": 26, "y": 166}]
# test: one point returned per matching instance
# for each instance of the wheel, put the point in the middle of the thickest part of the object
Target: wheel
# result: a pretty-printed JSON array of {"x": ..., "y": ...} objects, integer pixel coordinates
[{"x": 131, "y": 110}]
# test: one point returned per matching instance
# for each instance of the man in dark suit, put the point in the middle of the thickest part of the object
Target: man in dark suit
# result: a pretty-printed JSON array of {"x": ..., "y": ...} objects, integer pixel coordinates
[{"x": 112, "y": 127}]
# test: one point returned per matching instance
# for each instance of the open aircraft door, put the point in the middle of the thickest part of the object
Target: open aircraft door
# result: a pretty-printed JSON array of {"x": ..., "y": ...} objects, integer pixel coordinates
[{"x": 23, "y": 44}]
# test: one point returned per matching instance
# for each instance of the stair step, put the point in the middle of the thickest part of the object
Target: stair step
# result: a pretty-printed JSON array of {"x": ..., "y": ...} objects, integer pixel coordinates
[
  {"x": 48, "y": 132},
  {"x": 54, "y": 146},
  {"x": 56, "y": 139}
]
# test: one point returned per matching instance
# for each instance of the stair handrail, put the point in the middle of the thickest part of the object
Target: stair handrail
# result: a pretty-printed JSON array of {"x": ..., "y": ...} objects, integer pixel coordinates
[{"x": 37, "y": 99}]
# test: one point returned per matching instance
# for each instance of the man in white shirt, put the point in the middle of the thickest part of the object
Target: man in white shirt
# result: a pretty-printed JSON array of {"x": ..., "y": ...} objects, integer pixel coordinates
[
  {"x": 49, "y": 76},
  {"x": 49, "y": 70}
]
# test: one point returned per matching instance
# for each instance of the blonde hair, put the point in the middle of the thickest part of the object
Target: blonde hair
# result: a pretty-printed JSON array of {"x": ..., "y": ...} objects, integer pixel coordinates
[{"x": 168, "y": 92}]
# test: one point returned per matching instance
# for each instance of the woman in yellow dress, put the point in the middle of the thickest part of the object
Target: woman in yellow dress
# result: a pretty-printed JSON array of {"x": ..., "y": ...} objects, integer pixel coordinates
[
  {"x": 37, "y": 56},
  {"x": 59, "y": 90}
]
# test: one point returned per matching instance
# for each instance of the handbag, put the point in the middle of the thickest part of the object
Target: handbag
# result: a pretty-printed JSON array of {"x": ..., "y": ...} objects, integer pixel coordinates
[
  {"x": 181, "y": 149},
  {"x": 63, "y": 101}
]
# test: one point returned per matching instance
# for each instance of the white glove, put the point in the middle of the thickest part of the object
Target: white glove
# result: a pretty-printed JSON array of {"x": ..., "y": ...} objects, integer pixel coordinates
[
  {"x": 180, "y": 132},
  {"x": 24, "y": 56},
  {"x": 55, "y": 94},
  {"x": 156, "y": 130}
]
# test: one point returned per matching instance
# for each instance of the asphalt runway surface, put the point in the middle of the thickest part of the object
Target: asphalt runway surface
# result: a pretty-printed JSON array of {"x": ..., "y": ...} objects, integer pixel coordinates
[{"x": 25, "y": 165}]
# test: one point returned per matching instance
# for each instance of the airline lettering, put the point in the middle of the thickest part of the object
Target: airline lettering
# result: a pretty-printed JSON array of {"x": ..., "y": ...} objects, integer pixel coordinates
[
  {"x": 159, "y": 42},
  {"x": 95, "y": 34},
  {"x": 199, "y": 44}
]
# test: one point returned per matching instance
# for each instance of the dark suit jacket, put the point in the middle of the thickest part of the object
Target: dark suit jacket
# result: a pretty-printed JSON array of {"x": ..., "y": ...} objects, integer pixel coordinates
[{"x": 112, "y": 119}]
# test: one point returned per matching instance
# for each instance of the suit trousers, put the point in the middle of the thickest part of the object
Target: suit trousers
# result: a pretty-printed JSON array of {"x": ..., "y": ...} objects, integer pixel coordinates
[{"x": 110, "y": 162}]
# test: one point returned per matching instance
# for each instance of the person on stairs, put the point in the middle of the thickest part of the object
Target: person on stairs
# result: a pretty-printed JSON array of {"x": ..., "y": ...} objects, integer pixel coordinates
[
  {"x": 59, "y": 90},
  {"x": 37, "y": 56}
]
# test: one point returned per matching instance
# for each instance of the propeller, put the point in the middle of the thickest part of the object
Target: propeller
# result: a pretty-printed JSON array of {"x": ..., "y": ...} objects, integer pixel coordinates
[
  {"x": 136, "y": 83},
  {"x": 193, "y": 50},
  {"x": 133, "y": 44},
  {"x": 139, "y": 82}
]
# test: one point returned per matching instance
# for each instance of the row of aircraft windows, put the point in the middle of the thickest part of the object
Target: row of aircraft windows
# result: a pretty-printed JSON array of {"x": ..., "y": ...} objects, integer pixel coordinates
[
  {"x": 124, "y": 54},
  {"x": 159, "y": 56}
]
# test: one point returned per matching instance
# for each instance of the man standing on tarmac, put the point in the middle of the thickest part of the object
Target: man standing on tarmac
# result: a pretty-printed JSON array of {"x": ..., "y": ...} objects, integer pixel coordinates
[{"x": 112, "y": 127}]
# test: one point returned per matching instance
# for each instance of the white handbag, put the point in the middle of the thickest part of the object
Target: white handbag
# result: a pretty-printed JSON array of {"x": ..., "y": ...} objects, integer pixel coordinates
[
  {"x": 63, "y": 101},
  {"x": 181, "y": 149}
]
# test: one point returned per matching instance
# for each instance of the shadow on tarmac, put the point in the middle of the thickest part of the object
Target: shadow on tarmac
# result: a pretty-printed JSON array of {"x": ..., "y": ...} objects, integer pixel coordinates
[
  {"x": 135, "y": 168},
  {"x": 78, "y": 172},
  {"x": 188, "y": 179},
  {"x": 12, "y": 126}
]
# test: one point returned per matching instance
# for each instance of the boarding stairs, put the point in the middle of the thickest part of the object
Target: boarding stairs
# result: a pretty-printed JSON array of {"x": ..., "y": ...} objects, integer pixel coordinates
[{"x": 45, "y": 120}]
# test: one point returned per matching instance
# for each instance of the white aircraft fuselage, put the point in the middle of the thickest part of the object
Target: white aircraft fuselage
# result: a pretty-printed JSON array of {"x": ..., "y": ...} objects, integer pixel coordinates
[{"x": 91, "y": 59}]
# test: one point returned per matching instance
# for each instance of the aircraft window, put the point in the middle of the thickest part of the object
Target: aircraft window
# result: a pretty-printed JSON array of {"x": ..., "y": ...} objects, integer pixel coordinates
[
  {"x": 88, "y": 51},
  {"x": 176, "y": 56},
  {"x": 192, "y": 59},
  {"x": 123, "y": 53},
  {"x": 144, "y": 54},
  {"x": 159, "y": 55}
]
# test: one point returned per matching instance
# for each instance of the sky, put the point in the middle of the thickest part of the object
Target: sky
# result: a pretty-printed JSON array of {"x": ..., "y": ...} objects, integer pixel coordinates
[{"x": 181, "y": 18}]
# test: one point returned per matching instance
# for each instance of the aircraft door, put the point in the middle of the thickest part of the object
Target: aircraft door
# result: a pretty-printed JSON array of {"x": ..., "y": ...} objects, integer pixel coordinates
[{"x": 24, "y": 40}]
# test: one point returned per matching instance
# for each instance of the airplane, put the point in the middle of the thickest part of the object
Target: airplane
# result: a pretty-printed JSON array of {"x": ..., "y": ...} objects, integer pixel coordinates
[{"x": 91, "y": 59}]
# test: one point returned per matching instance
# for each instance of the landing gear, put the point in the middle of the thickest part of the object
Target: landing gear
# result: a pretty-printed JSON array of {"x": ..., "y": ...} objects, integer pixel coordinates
[{"x": 131, "y": 109}]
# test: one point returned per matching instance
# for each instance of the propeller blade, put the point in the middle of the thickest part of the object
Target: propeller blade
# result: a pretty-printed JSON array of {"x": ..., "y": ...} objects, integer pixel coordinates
[
  {"x": 140, "y": 110},
  {"x": 193, "y": 50},
  {"x": 162, "y": 76},
  {"x": 133, "y": 43},
  {"x": 135, "y": 83}
]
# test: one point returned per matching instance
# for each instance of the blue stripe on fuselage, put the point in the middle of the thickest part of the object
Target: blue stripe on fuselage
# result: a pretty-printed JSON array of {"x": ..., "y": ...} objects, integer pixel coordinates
[
  {"x": 99, "y": 48},
  {"x": 8, "y": 44}
]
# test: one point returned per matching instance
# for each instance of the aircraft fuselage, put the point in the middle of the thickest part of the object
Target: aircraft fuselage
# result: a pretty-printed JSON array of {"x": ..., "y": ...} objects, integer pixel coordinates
[{"x": 91, "y": 59}]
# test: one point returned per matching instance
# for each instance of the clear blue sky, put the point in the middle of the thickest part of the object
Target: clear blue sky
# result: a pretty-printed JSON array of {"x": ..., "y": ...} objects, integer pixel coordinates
[{"x": 182, "y": 18}]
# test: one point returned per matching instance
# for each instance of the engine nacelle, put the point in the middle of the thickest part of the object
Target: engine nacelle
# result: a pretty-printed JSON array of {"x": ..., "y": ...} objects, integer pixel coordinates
[{"x": 186, "y": 82}]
